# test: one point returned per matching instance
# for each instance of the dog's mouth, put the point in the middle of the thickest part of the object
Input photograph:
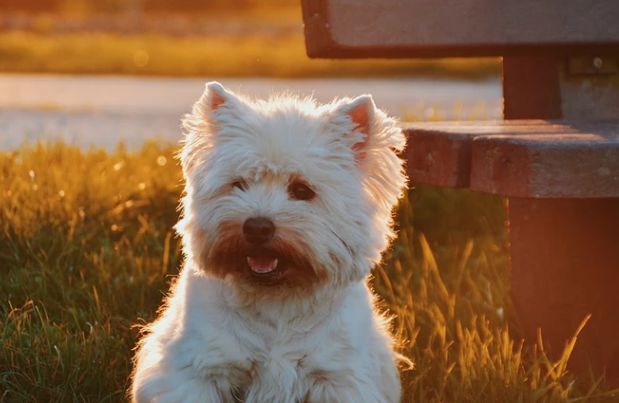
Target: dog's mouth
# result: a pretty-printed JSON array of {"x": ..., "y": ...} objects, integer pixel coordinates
[
  {"x": 262, "y": 265},
  {"x": 277, "y": 263},
  {"x": 265, "y": 266}
]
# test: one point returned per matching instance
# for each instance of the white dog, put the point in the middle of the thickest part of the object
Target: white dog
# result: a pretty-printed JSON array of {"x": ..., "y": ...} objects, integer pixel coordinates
[{"x": 288, "y": 206}]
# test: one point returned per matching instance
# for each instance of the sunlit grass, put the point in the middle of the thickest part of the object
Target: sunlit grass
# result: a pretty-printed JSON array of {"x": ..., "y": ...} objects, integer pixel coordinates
[
  {"x": 248, "y": 55},
  {"x": 87, "y": 250}
]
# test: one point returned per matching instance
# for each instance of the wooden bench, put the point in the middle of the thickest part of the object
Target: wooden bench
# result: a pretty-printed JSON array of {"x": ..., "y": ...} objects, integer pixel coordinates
[{"x": 555, "y": 156}]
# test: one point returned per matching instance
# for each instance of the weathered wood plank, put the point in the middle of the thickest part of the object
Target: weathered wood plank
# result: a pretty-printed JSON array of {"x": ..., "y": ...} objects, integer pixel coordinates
[
  {"x": 427, "y": 28},
  {"x": 523, "y": 158}
]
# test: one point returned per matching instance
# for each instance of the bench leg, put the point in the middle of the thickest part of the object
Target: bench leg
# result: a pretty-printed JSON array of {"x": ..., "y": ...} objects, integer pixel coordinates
[{"x": 565, "y": 265}]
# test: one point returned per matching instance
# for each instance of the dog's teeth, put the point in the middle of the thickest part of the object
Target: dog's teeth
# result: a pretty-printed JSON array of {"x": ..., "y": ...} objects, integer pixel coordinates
[{"x": 262, "y": 264}]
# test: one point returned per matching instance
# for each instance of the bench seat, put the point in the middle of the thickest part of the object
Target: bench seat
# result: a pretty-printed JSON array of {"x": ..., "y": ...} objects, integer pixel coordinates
[
  {"x": 518, "y": 158},
  {"x": 560, "y": 177}
]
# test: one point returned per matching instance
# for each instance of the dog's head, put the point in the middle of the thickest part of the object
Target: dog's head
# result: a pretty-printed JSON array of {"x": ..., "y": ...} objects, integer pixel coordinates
[{"x": 287, "y": 193}]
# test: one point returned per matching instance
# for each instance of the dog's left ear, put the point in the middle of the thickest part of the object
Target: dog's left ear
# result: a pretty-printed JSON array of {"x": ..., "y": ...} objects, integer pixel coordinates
[{"x": 361, "y": 112}]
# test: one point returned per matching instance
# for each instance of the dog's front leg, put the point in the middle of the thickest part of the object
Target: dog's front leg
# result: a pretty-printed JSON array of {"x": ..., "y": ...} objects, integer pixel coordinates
[
  {"x": 337, "y": 389},
  {"x": 167, "y": 389}
]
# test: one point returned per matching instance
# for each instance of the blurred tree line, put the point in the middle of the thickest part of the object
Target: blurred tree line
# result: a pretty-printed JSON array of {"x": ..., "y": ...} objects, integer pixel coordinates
[{"x": 124, "y": 6}]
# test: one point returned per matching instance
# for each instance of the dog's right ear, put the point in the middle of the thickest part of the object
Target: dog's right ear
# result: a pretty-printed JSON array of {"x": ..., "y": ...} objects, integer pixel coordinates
[
  {"x": 216, "y": 96},
  {"x": 216, "y": 106}
]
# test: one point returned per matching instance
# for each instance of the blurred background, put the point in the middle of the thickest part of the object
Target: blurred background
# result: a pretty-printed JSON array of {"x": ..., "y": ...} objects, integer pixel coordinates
[
  {"x": 98, "y": 72},
  {"x": 91, "y": 95}
]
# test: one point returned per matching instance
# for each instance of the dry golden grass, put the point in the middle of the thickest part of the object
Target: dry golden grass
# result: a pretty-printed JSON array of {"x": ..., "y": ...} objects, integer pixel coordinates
[
  {"x": 241, "y": 55},
  {"x": 87, "y": 250}
]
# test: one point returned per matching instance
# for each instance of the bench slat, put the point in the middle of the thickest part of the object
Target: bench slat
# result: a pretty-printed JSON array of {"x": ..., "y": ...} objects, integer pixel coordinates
[
  {"x": 430, "y": 28},
  {"x": 523, "y": 158}
]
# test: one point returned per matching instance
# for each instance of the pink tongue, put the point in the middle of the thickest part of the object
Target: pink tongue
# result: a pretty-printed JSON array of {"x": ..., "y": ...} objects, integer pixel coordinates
[{"x": 262, "y": 264}]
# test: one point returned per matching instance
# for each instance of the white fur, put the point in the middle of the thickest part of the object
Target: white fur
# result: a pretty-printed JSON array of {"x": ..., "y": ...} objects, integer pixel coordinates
[{"x": 223, "y": 340}]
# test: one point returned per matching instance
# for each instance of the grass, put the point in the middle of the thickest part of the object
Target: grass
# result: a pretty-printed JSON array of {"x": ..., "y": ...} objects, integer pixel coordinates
[
  {"x": 87, "y": 250},
  {"x": 267, "y": 43}
]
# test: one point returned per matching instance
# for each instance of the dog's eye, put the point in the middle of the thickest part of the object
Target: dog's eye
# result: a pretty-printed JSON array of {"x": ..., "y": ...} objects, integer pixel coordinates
[
  {"x": 239, "y": 184},
  {"x": 300, "y": 191}
]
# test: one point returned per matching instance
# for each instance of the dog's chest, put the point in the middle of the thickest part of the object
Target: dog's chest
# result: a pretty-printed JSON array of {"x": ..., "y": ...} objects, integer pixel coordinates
[
  {"x": 272, "y": 358},
  {"x": 282, "y": 378},
  {"x": 283, "y": 369}
]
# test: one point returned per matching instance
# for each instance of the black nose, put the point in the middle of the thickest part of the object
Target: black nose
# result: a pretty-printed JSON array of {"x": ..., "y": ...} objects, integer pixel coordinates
[{"x": 258, "y": 230}]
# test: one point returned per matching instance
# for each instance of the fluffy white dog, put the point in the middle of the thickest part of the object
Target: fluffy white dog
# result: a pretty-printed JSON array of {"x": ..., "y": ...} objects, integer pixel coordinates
[{"x": 288, "y": 206}]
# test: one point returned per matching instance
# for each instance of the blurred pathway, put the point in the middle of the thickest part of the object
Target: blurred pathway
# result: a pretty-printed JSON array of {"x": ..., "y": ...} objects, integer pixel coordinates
[{"x": 103, "y": 110}]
